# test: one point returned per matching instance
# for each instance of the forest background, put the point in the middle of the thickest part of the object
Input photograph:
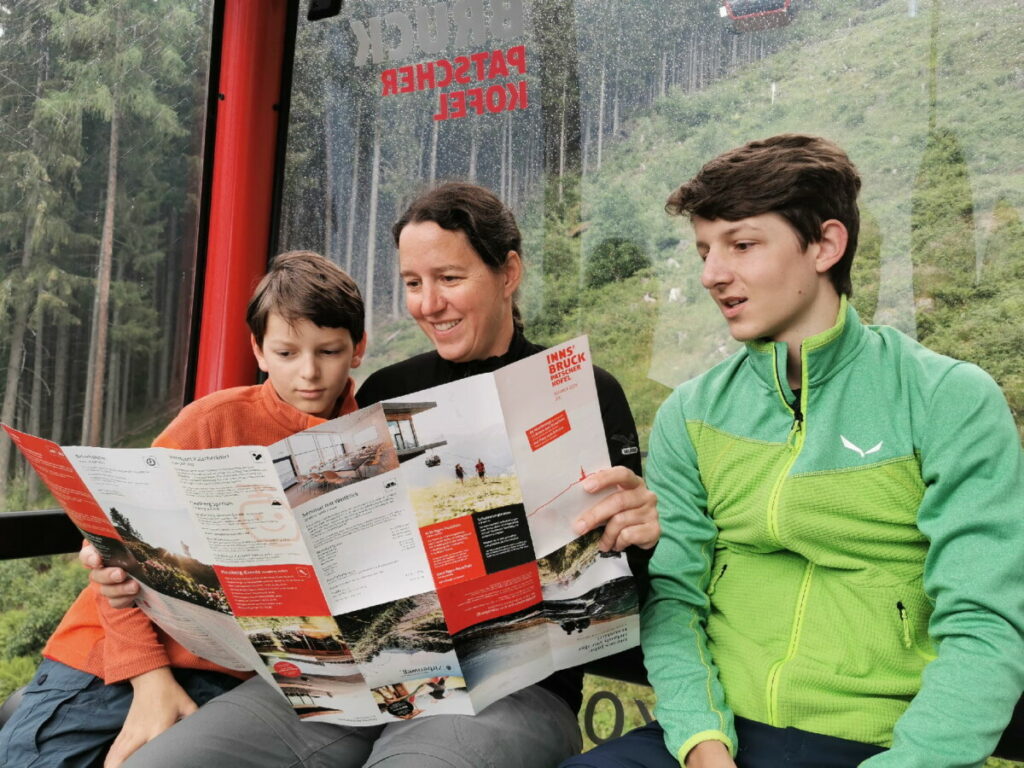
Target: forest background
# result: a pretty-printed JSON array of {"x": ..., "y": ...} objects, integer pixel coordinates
[{"x": 101, "y": 115}]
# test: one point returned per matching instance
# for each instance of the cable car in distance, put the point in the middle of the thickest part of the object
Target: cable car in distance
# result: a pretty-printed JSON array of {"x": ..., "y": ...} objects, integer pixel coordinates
[{"x": 752, "y": 15}]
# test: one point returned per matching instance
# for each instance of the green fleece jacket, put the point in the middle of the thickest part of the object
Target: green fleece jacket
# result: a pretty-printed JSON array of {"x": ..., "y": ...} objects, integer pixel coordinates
[{"x": 857, "y": 570}]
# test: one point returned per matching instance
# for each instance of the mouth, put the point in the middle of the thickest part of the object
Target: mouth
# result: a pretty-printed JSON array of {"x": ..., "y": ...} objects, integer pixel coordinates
[
  {"x": 445, "y": 326},
  {"x": 310, "y": 394},
  {"x": 731, "y": 306}
]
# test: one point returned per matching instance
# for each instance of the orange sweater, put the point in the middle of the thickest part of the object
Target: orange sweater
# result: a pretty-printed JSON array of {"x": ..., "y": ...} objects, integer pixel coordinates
[{"x": 116, "y": 645}]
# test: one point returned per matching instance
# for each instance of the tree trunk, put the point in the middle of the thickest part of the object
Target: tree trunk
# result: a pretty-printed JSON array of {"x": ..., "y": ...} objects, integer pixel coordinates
[
  {"x": 15, "y": 361},
  {"x": 353, "y": 195},
  {"x": 35, "y": 403},
  {"x": 93, "y": 417},
  {"x": 471, "y": 173},
  {"x": 600, "y": 116},
  {"x": 329, "y": 187},
  {"x": 371, "y": 235},
  {"x": 433, "y": 150},
  {"x": 60, "y": 381}
]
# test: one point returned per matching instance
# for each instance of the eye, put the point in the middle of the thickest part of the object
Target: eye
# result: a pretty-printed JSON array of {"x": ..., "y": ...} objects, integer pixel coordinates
[
  {"x": 450, "y": 278},
  {"x": 411, "y": 284},
  {"x": 743, "y": 245},
  {"x": 330, "y": 351},
  {"x": 283, "y": 353}
]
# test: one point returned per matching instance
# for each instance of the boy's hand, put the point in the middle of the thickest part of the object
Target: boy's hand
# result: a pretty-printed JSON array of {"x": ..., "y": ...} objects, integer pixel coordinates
[
  {"x": 158, "y": 702},
  {"x": 709, "y": 754},
  {"x": 114, "y": 584},
  {"x": 629, "y": 516}
]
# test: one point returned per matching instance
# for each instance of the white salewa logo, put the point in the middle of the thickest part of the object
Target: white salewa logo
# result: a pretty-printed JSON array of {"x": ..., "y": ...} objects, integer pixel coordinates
[{"x": 855, "y": 449}]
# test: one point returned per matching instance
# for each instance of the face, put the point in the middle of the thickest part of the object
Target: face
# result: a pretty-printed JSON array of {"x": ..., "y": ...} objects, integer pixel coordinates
[
  {"x": 764, "y": 283},
  {"x": 463, "y": 306},
  {"x": 307, "y": 365}
]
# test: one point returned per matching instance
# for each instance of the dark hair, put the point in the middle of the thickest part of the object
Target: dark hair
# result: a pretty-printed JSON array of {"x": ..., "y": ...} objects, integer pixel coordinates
[
  {"x": 302, "y": 285},
  {"x": 475, "y": 211},
  {"x": 805, "y": 179}
]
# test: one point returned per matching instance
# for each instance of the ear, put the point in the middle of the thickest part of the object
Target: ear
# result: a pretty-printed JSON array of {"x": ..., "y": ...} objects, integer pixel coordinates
[
  {"x": 358, "y": 353},
  {"x": 513, "y": 270},
  {"x": 832, "y": 245},
  {"x": 258, "y": 353}
]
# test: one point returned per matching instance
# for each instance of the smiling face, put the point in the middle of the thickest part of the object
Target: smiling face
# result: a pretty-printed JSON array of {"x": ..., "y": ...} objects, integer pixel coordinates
[
  {"x": 765, "y": 284},
  {"x": 463, "y": 306},
  {"x": 307, "y": 365}
]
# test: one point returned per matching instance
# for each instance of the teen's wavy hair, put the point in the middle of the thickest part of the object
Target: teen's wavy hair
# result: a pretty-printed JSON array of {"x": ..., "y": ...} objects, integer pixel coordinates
[
  {"x": 303, "y": 285},
  {"x": 805, "y": 179},
  {"x": 478, "y": 213}
]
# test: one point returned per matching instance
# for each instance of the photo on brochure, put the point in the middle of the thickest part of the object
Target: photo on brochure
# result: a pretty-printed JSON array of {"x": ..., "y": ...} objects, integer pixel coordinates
[
  {"x": 159, "y": 553},
  {"x": 308, "y": 659},
  {"x": 333, "y": 455},
  {"x": 585, "y": 588},
  {"x": 455, "y": 452},
  {"x": 438, "y": 695},
  {"x": 400, "y": 640}
]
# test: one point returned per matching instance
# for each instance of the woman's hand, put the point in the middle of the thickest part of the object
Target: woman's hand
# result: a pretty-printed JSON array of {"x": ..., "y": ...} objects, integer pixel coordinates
[
  {"x": 114, "y": 584},
  {"x": 158, "y": 702},
  {"x": 629, "y": 515}
]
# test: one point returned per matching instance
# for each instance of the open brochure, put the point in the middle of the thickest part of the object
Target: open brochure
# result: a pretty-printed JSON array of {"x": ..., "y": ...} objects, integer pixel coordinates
[{"x": 411, "y": 558}]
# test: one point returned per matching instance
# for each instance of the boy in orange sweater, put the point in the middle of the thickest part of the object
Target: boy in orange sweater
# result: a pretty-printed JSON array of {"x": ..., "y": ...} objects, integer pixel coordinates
[{"x": 110, "y": 680}]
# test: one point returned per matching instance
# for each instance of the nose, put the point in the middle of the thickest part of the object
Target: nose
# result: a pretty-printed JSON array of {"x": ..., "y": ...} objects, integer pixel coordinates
[
  {"x": 310, "y": 367},
  {"x": 431, "y": 299},
  {"x": 715, "y": 271}
]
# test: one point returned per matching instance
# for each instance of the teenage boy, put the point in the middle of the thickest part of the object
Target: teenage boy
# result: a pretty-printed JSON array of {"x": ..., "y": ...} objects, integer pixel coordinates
[
  {"x": 110, "y": 679},
  {"x": 839, "y": 580}
]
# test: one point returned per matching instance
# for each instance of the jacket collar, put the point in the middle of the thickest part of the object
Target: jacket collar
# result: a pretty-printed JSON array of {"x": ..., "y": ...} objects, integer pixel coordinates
[{"x": 823, "y": 355}]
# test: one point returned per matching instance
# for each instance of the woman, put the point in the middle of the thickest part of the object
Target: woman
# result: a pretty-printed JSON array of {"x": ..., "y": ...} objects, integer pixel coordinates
[{"x": 459, "y": 250}]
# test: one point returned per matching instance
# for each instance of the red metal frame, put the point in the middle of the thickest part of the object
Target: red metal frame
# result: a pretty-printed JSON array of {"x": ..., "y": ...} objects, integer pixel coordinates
[{"x": 242, "y": 188}]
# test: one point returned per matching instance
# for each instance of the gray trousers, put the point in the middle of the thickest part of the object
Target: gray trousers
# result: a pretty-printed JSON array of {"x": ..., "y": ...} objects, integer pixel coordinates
[{"x": 253, "y": 726}]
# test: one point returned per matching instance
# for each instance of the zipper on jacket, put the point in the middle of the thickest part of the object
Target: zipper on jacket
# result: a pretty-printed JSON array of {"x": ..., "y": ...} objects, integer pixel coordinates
[
  {"x": 715, "y": 579},
  {"x": 772, "y": 693},
  {"x": 908, "y": 642}
]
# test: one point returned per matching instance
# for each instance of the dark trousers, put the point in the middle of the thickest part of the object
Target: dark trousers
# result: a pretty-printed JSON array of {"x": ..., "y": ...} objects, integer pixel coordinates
[{"x": 760, "y": 746}]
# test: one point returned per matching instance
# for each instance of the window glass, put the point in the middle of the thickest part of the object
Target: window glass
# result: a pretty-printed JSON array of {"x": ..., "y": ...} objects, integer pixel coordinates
[
  {"x": 101, "y": 139},
  {"x": 585, "y": 114}
]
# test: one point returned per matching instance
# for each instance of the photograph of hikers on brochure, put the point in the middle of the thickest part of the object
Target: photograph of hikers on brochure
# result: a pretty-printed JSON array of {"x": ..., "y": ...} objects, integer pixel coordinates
[
  {"x": 451, "y": 428},
  {"x": 333, "y": 455}
]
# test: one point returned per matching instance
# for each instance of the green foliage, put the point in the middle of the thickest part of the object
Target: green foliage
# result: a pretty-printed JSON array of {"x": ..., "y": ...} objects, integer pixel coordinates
[
  {"x": 614, "y": 259},
  {"x": 942, "y": 216},
  {"x": 34, "y": 595}
]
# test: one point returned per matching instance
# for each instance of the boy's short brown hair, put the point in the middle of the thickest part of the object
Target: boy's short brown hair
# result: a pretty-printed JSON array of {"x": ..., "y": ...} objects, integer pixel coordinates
[
  {"x": 805, "y": 179},
  {"x": 302, "y": 285}
]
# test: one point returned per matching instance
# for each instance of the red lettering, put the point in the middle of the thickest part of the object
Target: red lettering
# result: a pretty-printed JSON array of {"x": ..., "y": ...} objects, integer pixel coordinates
[
  {"x": 457, "y": 102},
  {"x": 389, "y": 78},
  {"x": 495, "y": 99},
  {"x": 442, "y": 107},
  {"x": 517, "y": 95},
  {"x": 497, "y": 68},
  {"x": 447, "y": 67},
  {"x": 476, "y": 100},
  {"x": 480, "y": 59},
  {"x": 517, "y": 58},
  {"x": 424, "y": 75},
  {"x": 405, "y": 73},
  {"x": 462, "y": 69}
]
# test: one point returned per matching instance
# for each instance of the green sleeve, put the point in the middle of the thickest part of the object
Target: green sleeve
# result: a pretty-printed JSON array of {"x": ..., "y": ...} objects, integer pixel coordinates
[
  {"x": 691, "y": 704},
  {"x": 973, "y": 516}
]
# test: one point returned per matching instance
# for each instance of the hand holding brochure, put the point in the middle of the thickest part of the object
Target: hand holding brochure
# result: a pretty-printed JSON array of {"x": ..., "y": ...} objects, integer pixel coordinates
[{"x": 411, "y": 558}]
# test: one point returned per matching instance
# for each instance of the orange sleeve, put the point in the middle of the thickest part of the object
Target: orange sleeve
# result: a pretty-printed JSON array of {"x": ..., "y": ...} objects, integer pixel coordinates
[{"x": 130, "y": 644}]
